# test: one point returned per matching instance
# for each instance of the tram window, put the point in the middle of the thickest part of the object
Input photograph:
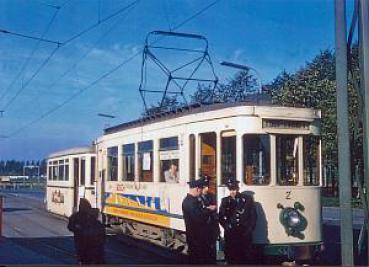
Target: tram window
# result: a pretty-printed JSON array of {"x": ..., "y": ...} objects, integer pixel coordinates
[
  {"x": 50, "y": 173},
  {"x": 208, "y": 158},
  {"x": 55, "y": 172},
  {"x": 287, "y": 159},
  {"x": 256, "y": 159},
  {"x": 192, "y": 159},
  {"x": 228, "y": 158},
  {"x": 93, "y": 170},
  {"x": 112, "y": 155},
  {"x": 170, "y": 143},
  {"x": 128, "y": 162},
  {"x": 66, "y": 172},
  {"x": 83, "y": 172},
  {"x": 169, "y": 171},
  {"x": 145, "y": 159},
  {"x": 311, "y": 160},
  {"x": 61, "y": 171},
  {"x": 169, "y": 162}
]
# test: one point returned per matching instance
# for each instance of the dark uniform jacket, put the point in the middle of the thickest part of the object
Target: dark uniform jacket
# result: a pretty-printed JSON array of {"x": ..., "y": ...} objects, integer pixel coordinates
[
  {"x": 238, "y": 218},
  {"x": 196, "y": 218},
  {"x": 213, "y": 220},
  {"x": 238, "y": 214}
]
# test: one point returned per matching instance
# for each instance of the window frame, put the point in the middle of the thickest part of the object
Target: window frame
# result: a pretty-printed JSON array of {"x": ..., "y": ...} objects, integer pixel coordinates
[
  {"x": 110, "y": 160},
  {"x": 125, "y": 156},
  {"x": 244, "y": 158},
  {"x": 141, "y": 151}
]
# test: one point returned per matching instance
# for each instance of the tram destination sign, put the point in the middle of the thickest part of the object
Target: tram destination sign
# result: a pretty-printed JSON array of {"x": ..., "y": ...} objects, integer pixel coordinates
[{"x": 285, "y": 124}]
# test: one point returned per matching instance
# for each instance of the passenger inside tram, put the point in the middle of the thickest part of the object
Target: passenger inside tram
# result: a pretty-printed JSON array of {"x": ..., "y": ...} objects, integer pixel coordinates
[{"x": 171, "y": 175}]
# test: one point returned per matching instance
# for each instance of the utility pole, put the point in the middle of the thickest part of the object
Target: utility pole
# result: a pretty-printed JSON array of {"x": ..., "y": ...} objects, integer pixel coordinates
[
  {"x": 344, "y": 162},
  {"x": 364, "y": 83}
]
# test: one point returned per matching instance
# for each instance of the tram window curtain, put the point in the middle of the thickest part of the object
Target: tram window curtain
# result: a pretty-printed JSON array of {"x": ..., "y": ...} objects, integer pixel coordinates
[
  {"x": 128, "y": 162},
  {"x": 145, "y": 160},
  {"x": 287, "y": 159},
  {"x": 256, "y": 159},
  {"x": 311, "y": 160},
  {"x": 112, "y": 154}
]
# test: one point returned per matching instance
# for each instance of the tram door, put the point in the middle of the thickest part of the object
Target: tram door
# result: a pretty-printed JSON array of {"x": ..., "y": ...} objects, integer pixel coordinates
[
  {"x": 208, "y": 159},
  {"x": 76, "y": 182}
]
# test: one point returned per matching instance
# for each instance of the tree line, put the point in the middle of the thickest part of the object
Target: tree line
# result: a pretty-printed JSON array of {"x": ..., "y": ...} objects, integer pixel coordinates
[{"x": 15, "y": 167}]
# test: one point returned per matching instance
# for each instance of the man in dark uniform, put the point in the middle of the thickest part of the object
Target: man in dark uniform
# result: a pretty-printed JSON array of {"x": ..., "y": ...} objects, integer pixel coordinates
[
  {"x": 237, "y": 215},
  {"x": 196, "y": 217},
  {"x": 208, "y": 199}
]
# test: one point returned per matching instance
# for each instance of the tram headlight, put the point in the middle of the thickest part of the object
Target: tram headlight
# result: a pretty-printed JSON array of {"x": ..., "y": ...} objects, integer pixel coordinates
[{"x": 292, "y": 220}]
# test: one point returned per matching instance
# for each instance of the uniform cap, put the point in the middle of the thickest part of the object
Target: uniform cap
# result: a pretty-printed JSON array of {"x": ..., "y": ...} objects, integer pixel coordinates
[
  {"x": 196, "y": 183},
  {"x": 205, "y": 181},
  {"x": 232, "y": 184}
]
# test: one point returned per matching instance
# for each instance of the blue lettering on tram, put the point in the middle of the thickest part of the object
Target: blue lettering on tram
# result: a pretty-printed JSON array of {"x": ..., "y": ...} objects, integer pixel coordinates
[{"x": 148, "y": 201}]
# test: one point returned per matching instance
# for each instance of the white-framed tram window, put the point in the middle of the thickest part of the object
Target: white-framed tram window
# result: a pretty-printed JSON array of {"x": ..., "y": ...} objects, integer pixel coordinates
[
  {"x": 192, "y": 157},
  {"x": 169, "y": 159},
  {"x": 128, "y": 163},
  {"x": 228, "y": 156},
  {"x": 256, "y": 159},
  {"x": 145, "y": 161},
  {"x": 83, "y": 172},
  {"x": 93, "y": 170},
  {"x": 112, "y": 163},
  {"x": 60, "y": 170},
  {"x": 66, "y": 170},
  {"x": 55, "y": 170},
  {"x": 287, "y": 159},
  {"x": 311, "y": 159}
]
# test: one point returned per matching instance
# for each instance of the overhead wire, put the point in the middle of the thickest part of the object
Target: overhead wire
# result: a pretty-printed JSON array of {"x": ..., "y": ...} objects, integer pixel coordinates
[
  {"x": 100, "y": 21},
  {"x": 25, "y": 64},
  {"x": 68, "y": 70},
  {"x": 105, "y": 75},
  {"x": 29, "y": 37},
  {"x": 64, "y": 44}
]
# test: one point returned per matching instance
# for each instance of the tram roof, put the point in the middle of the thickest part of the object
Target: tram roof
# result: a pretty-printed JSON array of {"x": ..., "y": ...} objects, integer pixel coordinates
[
  {"x": 72, "y": 151},
  {"x": 180, "y": 112}
]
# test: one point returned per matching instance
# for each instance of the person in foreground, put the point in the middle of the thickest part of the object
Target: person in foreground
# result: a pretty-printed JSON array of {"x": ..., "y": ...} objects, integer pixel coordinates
[
  {"x": 89, "y": 234},
  {"x": 196, "y": 219},
  {"x": 237, "y": 215}
]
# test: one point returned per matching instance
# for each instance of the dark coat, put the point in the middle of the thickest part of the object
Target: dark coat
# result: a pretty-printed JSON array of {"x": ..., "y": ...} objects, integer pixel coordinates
[
  {"x": 213, "y": 220},
  {"x": 89, "y": 234},
  {"x": 238, "y": 218},
  {"x": 196, "y": 218}
]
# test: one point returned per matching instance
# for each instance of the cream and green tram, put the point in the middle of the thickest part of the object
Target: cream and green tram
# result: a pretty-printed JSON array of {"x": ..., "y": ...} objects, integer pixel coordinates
[
  {"x": 273, "y": 151},
  {"x": 70, "y": 176}
]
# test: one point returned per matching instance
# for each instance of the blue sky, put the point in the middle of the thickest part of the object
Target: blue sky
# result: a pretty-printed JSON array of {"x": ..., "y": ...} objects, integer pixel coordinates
[{"x": 269, "y": 35}]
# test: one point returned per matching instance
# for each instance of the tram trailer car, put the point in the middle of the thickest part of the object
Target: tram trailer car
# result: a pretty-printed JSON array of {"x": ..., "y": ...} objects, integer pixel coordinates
[
  {"x": 275, "y": 153},
  {"x": 70, "y": 176}
]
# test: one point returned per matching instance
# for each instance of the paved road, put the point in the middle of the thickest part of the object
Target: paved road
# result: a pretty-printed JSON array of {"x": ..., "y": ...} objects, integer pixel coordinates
[{"x": 33, "y": 236}]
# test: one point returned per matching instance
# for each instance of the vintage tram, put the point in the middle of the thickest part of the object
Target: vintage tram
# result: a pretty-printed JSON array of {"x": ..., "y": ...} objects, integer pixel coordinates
[
  {"x": 275, "y": 153},
  {"x": 70, "y": 176},
  {"x": 142, "y": 169}
]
